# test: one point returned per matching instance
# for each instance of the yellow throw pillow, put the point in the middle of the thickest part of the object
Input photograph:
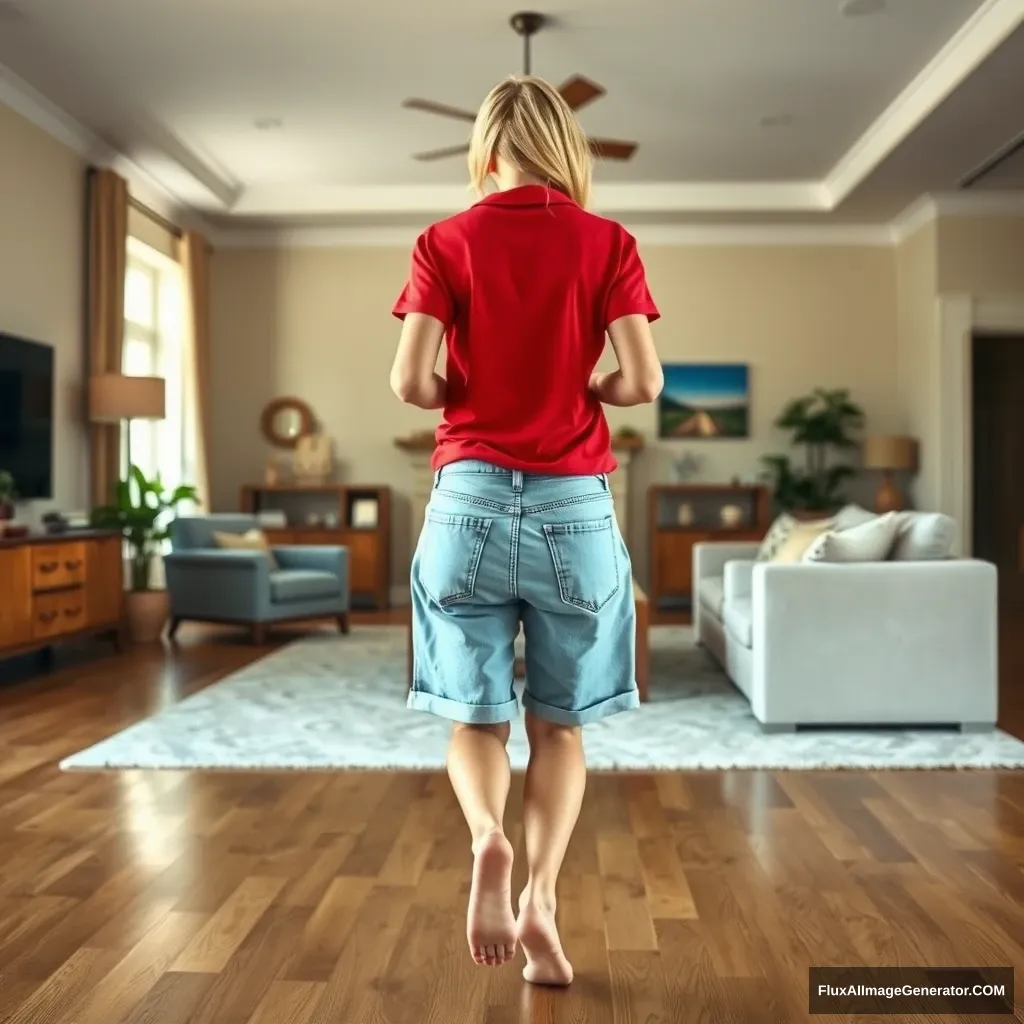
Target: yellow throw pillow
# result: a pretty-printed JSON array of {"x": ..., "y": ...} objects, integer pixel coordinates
[
  {"x": 254, "y": 540},
  {"x": 800, "y": 539}
]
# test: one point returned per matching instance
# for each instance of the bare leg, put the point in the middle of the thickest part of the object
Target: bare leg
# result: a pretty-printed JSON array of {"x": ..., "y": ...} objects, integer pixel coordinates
[
  {"x": 479, "y": 771},
  {"x": 555, "y": 781}
]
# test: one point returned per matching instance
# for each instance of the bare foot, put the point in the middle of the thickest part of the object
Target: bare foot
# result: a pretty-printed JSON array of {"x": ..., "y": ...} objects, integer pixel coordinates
[
  {"x": 490, "y": 923},
  {"x": 545, "y": 962}
]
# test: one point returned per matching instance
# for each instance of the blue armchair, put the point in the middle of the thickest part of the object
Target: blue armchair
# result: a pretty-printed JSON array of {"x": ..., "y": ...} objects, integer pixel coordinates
[{"x": 211, "y": 584}]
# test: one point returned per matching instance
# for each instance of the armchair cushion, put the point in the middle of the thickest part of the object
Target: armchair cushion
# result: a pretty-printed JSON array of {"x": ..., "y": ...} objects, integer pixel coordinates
[
  {"x": 251, "y": 540},
  {"x": 303, "y": 585}
]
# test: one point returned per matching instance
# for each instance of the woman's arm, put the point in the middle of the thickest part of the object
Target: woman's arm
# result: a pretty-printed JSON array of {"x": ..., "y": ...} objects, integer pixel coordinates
[
  {"x": 413, "y": 378},
  {"x": 639, "y": 378}
]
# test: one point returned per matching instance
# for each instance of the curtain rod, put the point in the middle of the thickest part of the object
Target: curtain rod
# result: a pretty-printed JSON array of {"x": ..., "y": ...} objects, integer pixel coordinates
[{"x": 163, "y": 222}]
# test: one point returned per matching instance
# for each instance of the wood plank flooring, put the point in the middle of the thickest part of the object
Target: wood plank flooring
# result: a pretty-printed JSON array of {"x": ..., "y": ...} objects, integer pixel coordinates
[{"x": 306, "y": 898}]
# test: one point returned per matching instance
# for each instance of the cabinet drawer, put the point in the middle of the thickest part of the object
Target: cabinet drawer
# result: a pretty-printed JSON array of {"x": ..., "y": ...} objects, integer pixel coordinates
[
  {"x": 62, "y": 612},
  {"x": 57, "y": 565}
]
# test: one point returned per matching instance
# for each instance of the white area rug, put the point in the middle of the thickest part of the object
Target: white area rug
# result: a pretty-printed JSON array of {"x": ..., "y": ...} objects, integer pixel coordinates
[{"x": 328, "y": 702}]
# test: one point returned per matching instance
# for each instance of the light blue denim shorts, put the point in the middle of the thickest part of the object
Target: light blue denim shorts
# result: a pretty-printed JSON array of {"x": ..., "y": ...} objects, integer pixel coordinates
[{"x": 502, "y": 549}]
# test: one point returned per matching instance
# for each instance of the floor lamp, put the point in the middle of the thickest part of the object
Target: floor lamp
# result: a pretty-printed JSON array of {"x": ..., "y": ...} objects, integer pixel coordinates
[{"x": 119, "y": 398}]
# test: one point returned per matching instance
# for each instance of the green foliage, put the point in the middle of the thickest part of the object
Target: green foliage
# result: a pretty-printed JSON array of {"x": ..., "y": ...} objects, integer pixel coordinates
[
  {"x": 8, "y": 491},
  {"x": 819, "y": 422},
  {"x": 141, "y": 511}
]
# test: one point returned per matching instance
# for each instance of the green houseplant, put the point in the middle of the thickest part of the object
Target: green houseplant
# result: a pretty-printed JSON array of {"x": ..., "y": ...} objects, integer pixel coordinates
[
  {"x": 141, "y": 510},
  {"x": 8, "y": 494},
  {"x": 821, "y": 423}
]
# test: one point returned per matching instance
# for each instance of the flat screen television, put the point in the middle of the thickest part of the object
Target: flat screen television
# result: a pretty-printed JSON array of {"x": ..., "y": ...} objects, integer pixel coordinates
[{"x": 26, "y": 415}]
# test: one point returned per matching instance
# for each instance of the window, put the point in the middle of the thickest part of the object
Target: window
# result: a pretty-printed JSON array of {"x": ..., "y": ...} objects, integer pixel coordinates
[{"x": 154, "y": 347}]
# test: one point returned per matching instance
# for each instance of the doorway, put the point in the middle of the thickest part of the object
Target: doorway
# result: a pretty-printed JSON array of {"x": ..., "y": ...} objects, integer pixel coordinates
[{"x": 997, "y": 392}]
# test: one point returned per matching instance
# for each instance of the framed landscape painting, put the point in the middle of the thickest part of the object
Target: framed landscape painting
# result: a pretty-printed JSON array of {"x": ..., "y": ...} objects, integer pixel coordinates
[{"x": 705, "y": 400}]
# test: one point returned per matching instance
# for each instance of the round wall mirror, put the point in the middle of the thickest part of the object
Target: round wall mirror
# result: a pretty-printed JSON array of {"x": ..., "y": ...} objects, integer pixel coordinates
[{"x": 285, "y": 420}]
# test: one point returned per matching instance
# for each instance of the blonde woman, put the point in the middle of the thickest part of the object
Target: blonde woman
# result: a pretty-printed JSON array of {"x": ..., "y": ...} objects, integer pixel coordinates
[{"x": 520, "y": 531}]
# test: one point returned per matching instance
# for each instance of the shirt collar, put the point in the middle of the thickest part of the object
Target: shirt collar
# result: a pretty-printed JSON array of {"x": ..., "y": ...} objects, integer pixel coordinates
[{"x": 528, "y": 195}]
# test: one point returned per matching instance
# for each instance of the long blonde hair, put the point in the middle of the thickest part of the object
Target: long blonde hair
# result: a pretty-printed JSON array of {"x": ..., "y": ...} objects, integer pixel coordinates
[{"x": 525, "y": 121}]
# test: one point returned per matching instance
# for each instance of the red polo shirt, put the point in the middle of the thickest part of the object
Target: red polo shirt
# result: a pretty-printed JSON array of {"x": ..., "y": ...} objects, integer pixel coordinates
[{"x": 526, "y": 283}]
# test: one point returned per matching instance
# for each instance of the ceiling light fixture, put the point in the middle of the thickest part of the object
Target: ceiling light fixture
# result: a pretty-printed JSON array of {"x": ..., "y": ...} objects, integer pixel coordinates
[
  {"x": 859, "y": 8},
  {"x": 267, "y": 124},
  {"x": 776, "y": 120}
]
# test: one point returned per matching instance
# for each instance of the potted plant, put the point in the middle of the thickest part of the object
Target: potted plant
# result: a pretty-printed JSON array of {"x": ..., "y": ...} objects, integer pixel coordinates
[
  {"x": 820, "y": 422},
  {"x": 8, "y": 495},
  {"x": 141, "y": 511}
]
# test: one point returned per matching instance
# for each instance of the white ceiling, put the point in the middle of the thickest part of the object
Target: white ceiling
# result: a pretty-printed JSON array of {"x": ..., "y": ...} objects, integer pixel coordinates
[{"x": 177, "y": 86}]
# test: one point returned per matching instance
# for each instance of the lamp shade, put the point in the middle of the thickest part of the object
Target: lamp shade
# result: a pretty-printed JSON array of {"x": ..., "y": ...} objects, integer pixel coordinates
[
  {"x": 891, "y": 453},
  {"x": 114, "y": 397}
]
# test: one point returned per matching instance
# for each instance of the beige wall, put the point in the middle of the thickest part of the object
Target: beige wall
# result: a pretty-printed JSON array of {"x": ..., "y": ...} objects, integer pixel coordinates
[
  {"x": 981, "y": 255},
  {"x": 315, "y": 323},
  {"x": 917, "y": 358},
  {"x": 42, "y": 186}
]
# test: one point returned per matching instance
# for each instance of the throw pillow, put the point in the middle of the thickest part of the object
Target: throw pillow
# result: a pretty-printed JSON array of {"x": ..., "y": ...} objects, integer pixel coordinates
[
  {"x": 253, "y": 540},
  {"x": 853, "y": 515},
  {"x": 776, "y": 537},
  {"x": 870, "y": 542},
  {"x": 800, "y": 539},
  {"x": 924, "y": 537}
]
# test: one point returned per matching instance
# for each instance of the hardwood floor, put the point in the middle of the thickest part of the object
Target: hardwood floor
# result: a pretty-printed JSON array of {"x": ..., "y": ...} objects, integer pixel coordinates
[{"x": 306, "y": 898}]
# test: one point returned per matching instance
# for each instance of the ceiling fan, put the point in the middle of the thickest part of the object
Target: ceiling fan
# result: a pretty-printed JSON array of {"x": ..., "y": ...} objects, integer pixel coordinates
[{"x": 576, "y": 91}]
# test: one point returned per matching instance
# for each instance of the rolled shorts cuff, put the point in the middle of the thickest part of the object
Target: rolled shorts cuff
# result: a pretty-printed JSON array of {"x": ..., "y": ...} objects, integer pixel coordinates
[
  {"x": 456, "y": 711},
  {"x": 628, "y": 701}
]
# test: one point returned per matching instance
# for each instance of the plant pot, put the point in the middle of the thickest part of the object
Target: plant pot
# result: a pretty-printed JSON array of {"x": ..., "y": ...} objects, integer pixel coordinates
[
  {"x": 146, "y": 612},
  {"x": 6, "y": 510}
]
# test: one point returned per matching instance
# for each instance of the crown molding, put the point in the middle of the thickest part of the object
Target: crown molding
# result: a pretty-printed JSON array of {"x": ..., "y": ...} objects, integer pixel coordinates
[
  {"x": 648, "y": 235},
  {"x": 982, "y": 33},
  {"x": 930, "y": 208}
]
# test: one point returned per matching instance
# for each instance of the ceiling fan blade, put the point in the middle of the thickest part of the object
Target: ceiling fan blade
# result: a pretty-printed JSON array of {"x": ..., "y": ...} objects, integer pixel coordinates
[
  {"x": 579, "y": 91},
  {"x": 612, "y": 149},
  {"x": 441, "y": 154},
  {"x": 430, "y": 107}
]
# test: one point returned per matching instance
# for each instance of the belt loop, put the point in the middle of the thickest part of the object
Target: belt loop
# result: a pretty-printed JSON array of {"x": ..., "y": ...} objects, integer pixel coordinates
[
  {"x": 607, "y": 485},
  {"x": 517, "y": 481},
  {"x": 437, "y": 477}
]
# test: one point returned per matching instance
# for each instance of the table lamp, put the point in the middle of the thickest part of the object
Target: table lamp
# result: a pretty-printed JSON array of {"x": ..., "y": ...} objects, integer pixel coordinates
[
  {"x": 119, "y": 398},
  {"x": 891, "y": 455}
]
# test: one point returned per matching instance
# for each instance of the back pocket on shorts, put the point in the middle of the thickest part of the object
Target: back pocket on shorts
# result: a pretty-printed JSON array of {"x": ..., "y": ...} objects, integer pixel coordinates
[
  {"x": 586, "y": 561},
  {"x": 451, "y": 547}
]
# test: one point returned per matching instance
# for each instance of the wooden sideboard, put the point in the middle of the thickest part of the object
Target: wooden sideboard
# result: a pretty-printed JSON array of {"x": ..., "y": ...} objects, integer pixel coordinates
[
  {"x": 57, "y": 587},
  {"x": 682, "y": 515},
  {"x": 336, "y": 509}
]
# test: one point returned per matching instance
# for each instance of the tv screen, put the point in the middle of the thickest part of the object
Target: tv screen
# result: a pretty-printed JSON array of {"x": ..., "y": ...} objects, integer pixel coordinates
[{"x": 26, "y": 415}]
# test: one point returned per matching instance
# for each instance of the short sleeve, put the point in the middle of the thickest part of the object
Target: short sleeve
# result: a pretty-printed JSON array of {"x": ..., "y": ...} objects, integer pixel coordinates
[
  {"x": 426, "y": 291},
  {"x": 628, "y": 294}
]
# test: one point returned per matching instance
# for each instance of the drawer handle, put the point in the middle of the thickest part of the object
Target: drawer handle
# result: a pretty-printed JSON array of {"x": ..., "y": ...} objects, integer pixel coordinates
[
  {"x": 72, "y": 566},
  {"x": 72, "y": 613},
  {"x": 48, "y": 567},
  {"x": 47, "y": 617}
]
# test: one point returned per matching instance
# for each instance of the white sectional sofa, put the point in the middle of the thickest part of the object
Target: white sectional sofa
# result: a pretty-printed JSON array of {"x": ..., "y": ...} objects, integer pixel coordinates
[{"x": 830, "y": 639}]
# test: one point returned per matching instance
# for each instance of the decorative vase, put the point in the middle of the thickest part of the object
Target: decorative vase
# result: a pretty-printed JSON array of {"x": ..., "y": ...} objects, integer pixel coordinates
[
  {"x": 732, "y": 515},
  {"x": 146, "y": 612}
]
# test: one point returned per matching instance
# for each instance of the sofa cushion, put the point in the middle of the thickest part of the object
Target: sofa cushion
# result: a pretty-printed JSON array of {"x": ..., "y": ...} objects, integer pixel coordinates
[
  {"x": 871, "y": 541},
  {"x": 302, "y": 585},
  {"x": 924, "y": 537},
  {"x": 739, "y": 621},
  {"x": 711, "y": 591},
  {"x": 776, "y": 536},
  {"x": 800, "y": 539},
  {"x": 853, "y": 515}
]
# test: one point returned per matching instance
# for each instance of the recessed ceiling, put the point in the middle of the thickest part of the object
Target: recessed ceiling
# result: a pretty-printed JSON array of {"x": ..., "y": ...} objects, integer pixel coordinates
[{"x": 185, "y": 88}]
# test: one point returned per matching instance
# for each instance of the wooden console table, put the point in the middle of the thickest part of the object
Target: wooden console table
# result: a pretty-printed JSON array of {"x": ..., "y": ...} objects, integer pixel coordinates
[{"x": 58, "y": 587}]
